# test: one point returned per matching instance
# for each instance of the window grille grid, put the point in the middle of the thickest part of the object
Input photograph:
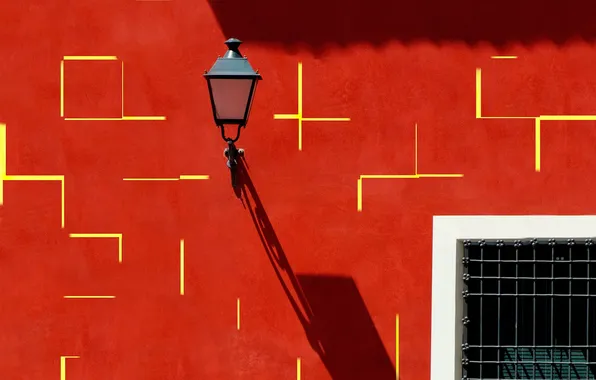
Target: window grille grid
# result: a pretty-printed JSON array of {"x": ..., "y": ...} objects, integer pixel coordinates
[{"x": 529, "y": 309}]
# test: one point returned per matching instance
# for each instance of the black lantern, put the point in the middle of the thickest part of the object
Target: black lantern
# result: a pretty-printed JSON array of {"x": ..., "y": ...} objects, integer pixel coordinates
[{"x": 232, "y": 83}]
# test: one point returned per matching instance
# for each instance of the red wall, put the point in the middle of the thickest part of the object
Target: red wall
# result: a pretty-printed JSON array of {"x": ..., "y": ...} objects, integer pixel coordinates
[{"x": 309, "y": 269}]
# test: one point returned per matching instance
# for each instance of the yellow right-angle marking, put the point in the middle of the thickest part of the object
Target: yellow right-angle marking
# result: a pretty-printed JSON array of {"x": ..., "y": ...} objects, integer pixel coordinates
[
  {"x": 504, "y": 57},
  {"x": 182, "y": 267},
  {"x": 63, "y": 365},
  {"x": 416, "y": 174},
  {"x": 298, "y": 369},
  {"x": 103, "y": 236},
  {"x": 98, "y": 58},
  {"x": 298, "y": 116},
  {"x": 397, "y": 346},
  {"x": 238, "y": 314},
  {"x": 6, "y": 177},
  {"x": 537, "y": 120}
]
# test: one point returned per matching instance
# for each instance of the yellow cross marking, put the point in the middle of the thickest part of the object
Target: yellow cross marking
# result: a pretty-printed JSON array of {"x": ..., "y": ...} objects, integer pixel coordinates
[{"x": 299, "y": 116}]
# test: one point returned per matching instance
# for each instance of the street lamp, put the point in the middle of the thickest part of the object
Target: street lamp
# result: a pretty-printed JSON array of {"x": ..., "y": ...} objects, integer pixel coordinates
[{"x": 232, "y": 83}]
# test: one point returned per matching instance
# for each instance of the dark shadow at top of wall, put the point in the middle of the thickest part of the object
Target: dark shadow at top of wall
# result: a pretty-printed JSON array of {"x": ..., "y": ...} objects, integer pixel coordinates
[{"x": 319, "y": 24}]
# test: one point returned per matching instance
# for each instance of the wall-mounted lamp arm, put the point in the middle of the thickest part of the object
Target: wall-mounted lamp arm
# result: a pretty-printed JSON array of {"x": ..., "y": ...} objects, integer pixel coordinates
[
  {"x": 231, "y": 152},
  {"x": 223, "y": 133}
]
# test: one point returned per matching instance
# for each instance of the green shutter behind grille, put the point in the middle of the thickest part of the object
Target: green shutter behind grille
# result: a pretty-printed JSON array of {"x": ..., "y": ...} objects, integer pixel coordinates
[{"x": 547, "y": 366}]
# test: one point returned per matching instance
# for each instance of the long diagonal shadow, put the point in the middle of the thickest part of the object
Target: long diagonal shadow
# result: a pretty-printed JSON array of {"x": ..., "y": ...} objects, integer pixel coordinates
[{"x": 330, "y": 308}]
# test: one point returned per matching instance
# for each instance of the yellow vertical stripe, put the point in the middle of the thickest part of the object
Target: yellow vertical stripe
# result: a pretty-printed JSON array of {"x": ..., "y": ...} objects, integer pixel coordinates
[
  {"x": 537, "y": 145},
  {"x": 478, "y": 93},
  {"x": 397, "y": 346},
  {"x": 181, "y": 266}
]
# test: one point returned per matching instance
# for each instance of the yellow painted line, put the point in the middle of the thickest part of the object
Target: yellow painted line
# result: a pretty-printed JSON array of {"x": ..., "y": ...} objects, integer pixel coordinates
[
  {"x": 63, "y": 365},
  {"x": 416, "y": 149},
  {"x": 325, "y": 119},
  {"x": 300, "y": 114},
  {"x": 184, "y": 177},
  {"x": 409, "y": 176},
  {"x": 143, "y": 118},
  {"x": 568, "y": 117},
  {"x": 537, "y": 139},
  {"x": 284, "y": 116},
  {"x": 504, "y": 57},
  {"x": 507, "y": 117},
  {"x": 238, "y": 314},
  {"x": 124, "y": 118},
  {"x": 90, "y": 58},
  {"x": 150, "y": 179},
  {"x": 192, "y": 176},
  {"x": 63, "y": 203},
  {"x": 182, "y": 267},
  {"x": 298, "y": 369},
  {"x": 440, "y": 175},
  {"x": 478, "y": 93},
  {"x": 122, "y": 90},
  {"x": 389, "y": 176},
  {"x": 89, "y": 297},
  {"x": 103, "y": 236},
  {"x": 397, "y": 346},
  {"x": 359, "y": 196},
  {"x": 61, "y": 88},
  {"x": 93, "y": 118},
  {"x": 33, "y": 177},
  {"x": 2, "y": 160}
]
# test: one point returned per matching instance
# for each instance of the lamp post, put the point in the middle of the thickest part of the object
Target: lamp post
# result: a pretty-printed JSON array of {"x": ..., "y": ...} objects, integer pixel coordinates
[{"x": 232, "y": 83}]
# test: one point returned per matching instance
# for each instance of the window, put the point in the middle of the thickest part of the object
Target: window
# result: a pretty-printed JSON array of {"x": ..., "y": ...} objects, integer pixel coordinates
[
  {"x": 448, "y": 306},
  {"x": 529, "y": 309}
]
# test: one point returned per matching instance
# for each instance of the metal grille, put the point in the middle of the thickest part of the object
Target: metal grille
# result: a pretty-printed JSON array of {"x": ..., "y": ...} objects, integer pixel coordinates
[{"x": 529, "y": 309}]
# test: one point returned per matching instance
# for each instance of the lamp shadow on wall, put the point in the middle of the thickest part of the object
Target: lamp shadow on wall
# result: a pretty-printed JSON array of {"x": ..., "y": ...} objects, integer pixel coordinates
[
  {"x": 330, "y": 308},
  {"x": 322, "y": 23}
]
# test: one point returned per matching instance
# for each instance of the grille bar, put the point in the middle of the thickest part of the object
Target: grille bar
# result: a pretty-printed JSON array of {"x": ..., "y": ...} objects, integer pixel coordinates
[{"x": 529, "y": 310}]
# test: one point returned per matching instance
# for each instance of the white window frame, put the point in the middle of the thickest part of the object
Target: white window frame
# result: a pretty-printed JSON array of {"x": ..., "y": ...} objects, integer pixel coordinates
[{"x": 447, "y": 253}]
